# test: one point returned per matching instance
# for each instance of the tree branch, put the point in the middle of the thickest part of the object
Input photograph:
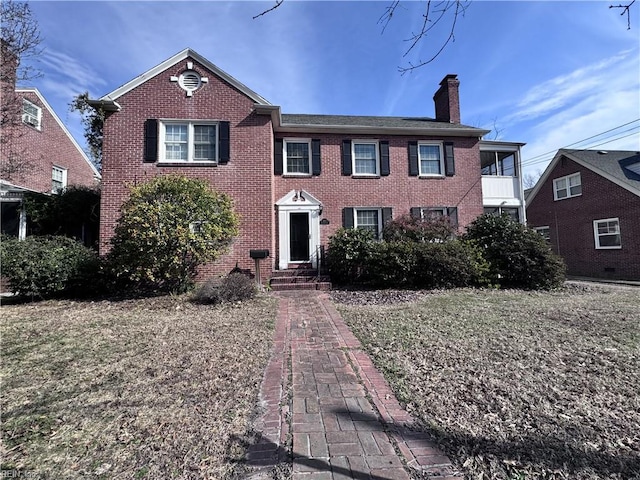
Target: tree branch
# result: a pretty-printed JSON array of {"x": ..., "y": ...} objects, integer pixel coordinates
[
  {"x": 625, "y": 10},
  {"x": 278, "y": 3}
]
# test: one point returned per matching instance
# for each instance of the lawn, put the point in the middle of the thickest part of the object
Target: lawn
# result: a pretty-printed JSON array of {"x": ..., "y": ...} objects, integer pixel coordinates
[
  {"x": 154, "y": 388},
  {"x": 514, "y": 384}
]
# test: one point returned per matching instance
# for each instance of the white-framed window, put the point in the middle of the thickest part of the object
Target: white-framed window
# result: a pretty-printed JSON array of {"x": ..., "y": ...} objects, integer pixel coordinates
[
  {"x": 544, "y": 232},
  {"x": 188, "y": 141},
  {"x": 567, "y": 187},
  {"x": 31, "y": 114},
  {"x": 366, "y": 160},
  {"x": 58, "y": 179},
  {"x": 430, "y": 159},
  {"x": 369, "y": 219},
  {"x": 607, "y": 233},
  {"x": 297, "y": 156},
  {"x": 498, "y": 163}
]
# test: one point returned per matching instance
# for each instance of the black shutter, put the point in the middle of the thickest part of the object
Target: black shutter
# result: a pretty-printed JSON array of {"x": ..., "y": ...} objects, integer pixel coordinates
[
  {"x": 413, "y": 159},
  {"x": 449, "y": 164},
  {"x": 277, "y": 156},
  {"x": 386, "y": 215},
  {"x": 415, "y": 212},
  {"x": 347, "y": 217},
  {"x": 346, "y": 157},
  {"x": 316, "y": 166},
  {"x": 384, "y": 158},
  {"x": 151, "y": 140},
  {"x": 225, "y": 143},
  {"x": 452, "y": 213}
]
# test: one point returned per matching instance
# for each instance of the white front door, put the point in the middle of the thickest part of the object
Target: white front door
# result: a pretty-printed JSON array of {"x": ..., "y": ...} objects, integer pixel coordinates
[{"x": 298, "y": 229}]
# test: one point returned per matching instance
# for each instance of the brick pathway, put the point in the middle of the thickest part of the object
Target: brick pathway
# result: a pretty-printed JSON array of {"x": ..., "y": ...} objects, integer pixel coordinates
[{"x": 340, "y": 412}]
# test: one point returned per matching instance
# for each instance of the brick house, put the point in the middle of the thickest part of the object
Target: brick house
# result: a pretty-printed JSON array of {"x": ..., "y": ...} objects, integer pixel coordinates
[
  {"x": 295, "y": 178},
  {"x": 54, "y": 160},
  {"x": 587, "y": 204}
]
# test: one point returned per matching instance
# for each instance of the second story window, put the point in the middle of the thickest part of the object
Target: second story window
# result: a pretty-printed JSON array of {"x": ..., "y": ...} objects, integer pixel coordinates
[
  {"x": 431, "y": 160},
  {"x": 567, "y": 187},
  {"x": 188, "y": 141},
  {"x": 297, "y": 161},
  {"x": 31, "y": 114},
  {"x": 365, "y": 158},
  {"x": 58, "y": 179},
  {"x": 498, "y": 163}
]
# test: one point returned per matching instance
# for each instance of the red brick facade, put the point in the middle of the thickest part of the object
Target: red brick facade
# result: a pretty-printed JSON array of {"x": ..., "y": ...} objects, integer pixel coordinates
[
  {"x": 44, "y": 148},
  {"x": 570, "y": 223},
  {"x": 249, "y": 178}
]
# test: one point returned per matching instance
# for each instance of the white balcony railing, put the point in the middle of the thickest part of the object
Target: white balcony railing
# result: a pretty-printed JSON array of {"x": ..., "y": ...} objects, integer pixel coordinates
[{"x": 501, "y": 189}]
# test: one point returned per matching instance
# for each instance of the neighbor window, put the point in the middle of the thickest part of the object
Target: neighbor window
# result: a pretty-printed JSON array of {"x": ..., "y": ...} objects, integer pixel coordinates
[
  {"x": 31, "y": 114},
  {"x": 365, "y": 158},
  {"x": 429, "y": 213},
  {"x": 297, "y": 156},
  {"x": 431, "y": 160},
  {"x": 567, "y": 187},
  {"x": 607, "y": 233},
  {"x": 58, "y": 179},
  {"x": 369, "y": 220},
  {"x": 189, "y": 141},
  {"x": 544, "y": 232},
  {"x": 498, "y": 163}
]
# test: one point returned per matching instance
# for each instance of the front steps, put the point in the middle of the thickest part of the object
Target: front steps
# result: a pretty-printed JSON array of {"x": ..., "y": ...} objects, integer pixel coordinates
[{"x": 299, "y": 277}]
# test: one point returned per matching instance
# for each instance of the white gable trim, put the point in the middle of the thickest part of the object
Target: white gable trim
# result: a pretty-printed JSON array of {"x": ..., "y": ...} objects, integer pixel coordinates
[
  {"x": 570, "y": 156},
  {"x": 62, "y": 126},
  {"x": 179, "y": 57}
]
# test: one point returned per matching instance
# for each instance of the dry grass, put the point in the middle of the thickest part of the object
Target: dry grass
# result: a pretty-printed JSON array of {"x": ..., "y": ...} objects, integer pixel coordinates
[
  {"x": 155, "y": 388},
  {"x": 517, "y": 384}
]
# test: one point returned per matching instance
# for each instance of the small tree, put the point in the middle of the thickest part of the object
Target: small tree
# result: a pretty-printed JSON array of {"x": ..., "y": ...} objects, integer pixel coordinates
[
  {"x": 518, "y": 256},
  {"x": 168, "y": 227}
]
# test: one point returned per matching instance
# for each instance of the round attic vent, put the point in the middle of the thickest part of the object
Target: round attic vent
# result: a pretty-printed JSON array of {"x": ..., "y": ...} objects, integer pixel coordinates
[{"x": 190, "y": 81}]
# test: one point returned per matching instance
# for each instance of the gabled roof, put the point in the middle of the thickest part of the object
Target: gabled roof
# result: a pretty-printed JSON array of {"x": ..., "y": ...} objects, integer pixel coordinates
[
  {"x": 62, "y": 126},
  {"x": 612, "y": 165},
  {"x": 179, "y": 57}
]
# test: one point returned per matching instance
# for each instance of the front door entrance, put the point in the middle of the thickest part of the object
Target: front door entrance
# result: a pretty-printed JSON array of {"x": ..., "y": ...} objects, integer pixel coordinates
[{"x": 299, "y": 236}]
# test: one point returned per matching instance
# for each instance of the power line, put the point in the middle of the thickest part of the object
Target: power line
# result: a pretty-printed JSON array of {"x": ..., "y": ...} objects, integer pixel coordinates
[{"x": 579, "y": 141}]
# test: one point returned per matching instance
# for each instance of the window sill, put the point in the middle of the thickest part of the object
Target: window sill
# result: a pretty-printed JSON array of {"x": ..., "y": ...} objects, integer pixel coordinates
[
  {"x": 34, "y": 127},
  {"x": 296, "y": 175},
  {"x": 566, "y": 198},
  {"x": 619, "y": 247},
  {"x": 186, "y": 164},
  {"x": 365, "y": 176},
  {"x": 432, "y": 177}
]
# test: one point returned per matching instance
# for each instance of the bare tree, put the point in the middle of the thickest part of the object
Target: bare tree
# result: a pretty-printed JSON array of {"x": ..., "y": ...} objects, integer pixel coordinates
[
  {"x": 625, "y": 9},
  {"x": 19, "y": 42},
  {"x": 529, "y": 180},
  {"x": 93, "y": 121}
]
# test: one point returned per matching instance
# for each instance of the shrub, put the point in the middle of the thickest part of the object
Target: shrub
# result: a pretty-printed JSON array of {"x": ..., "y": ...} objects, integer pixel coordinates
[
  {"x": 426, "y": 265},
  {"x": 518, "y": 256},
  {"x": 169, "y": 226},
  {"x": 48, "y": 266},
  {"x": 235, "y": 287},
  {"x": 407, "y": 228},
  {"x": 349, "y": 251}
]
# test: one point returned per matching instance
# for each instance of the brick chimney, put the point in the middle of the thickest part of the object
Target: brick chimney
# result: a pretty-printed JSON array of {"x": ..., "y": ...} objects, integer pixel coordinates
[{"x": 447, "y": 100}]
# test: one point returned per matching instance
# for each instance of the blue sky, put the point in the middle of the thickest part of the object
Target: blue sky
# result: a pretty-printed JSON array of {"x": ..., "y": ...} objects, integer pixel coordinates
[{"x": 545, "y": 73}]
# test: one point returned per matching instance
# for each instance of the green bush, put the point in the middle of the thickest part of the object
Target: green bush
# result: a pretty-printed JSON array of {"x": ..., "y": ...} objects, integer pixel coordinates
[
  {"x": 426, "y": 265},
  {"x": 235, "y": 287},
  {"x": 518, "y": 256},
  {"x": 407, "y": 228},
  {"x": 168, "y": 228},
  {"x": 349, "y": 251},
  {"x": 49, "y": 266}
]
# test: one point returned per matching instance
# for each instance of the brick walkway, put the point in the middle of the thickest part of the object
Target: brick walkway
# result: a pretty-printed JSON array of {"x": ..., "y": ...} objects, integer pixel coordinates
[{"x": 340, "y": 412}]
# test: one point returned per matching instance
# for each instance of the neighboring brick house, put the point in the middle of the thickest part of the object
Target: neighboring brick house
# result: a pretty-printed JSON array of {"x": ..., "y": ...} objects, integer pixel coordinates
[
  {"x": 295, "y": 179},
  {"x": 587, "y": 204},
  {"x": 53, "y": 159}
]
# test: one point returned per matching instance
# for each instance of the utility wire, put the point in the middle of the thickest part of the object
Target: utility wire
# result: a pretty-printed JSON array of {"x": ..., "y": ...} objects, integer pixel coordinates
[{"x": 579, "y": 141}]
